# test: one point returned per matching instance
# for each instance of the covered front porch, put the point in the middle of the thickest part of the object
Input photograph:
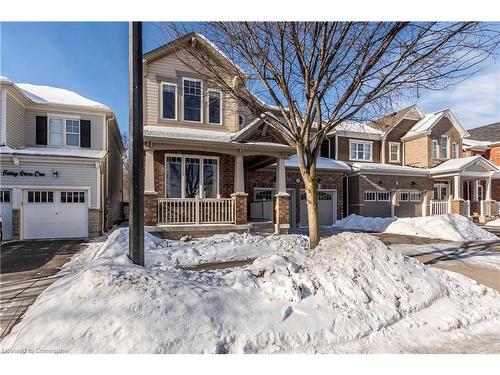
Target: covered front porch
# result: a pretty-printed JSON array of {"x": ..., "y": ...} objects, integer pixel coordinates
[
  {"x": 464, "y": 186},
  {"x": 197, "y": 188}
]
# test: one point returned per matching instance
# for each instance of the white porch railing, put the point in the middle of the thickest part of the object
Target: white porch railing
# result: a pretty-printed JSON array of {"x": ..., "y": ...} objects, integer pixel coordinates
[
  {"x": 497, "y": 208},
  {"x": 195, "y": 211},
  {"x": 440, "y": 207}
]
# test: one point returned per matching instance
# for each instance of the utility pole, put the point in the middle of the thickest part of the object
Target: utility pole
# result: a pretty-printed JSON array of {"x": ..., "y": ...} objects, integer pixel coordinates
[{"x": 136, "y": 147}]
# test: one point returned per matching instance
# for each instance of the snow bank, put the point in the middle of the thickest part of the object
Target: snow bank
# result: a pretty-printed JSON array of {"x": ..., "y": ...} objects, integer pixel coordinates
[
  {"x": 493, "y": 223},
  {"x": 450, "y": 227},
  {"x": 351, "y": 294}
]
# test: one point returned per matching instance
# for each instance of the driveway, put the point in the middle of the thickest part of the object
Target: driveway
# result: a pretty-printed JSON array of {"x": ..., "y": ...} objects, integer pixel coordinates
[{"x": 27, "y": 268}]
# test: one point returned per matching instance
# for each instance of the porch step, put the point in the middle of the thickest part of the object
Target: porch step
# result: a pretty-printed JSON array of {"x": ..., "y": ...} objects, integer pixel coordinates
[{"x": 261, "y": 227}]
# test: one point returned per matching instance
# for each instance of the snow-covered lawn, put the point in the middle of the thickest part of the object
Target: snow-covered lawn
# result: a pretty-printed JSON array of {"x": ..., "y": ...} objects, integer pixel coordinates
[
  {"x": 450, "y": 227},
  {"x": 350, "y": 294}
]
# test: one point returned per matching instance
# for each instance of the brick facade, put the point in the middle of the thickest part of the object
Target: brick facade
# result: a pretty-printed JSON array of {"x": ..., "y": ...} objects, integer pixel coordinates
[
  {"x": 150, "y": 209},
  {"x": 94, "y": 222},
  {"x": 266, "y": 178},
  {"x": 282, "y": 209},
  {"x": 240, "y": 208}
]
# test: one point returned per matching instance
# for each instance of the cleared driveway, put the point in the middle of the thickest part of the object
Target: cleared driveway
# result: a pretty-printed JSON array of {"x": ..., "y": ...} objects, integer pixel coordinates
[{"x": 27, "y": 269}]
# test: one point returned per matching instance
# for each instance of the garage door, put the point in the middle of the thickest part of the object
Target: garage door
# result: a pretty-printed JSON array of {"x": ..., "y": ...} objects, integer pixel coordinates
[
  {"x": 327, "y": 206},
  {"x": 55, "y": 214},
  {"x": 6, "y": 214}
]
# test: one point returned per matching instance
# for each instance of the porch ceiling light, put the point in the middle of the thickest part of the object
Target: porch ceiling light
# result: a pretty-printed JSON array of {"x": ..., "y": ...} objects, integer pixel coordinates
[
  {"x": 380, "y": 182},
  {"x": 396, "y": 183},
  {"x": 54, "y": 173}
]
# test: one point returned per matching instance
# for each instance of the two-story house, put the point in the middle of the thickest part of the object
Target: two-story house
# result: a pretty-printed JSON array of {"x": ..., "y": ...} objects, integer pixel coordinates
[
  {"x": 60, "y": 163},
  {"x": 211, "y": 166},
  {"x": 405, "y": 164},
  {"x": 200, "y": 144}
]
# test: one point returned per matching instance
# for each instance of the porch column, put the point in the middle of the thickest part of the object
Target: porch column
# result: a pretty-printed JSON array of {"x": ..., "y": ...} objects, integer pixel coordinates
[
  {"x": 394, "y": 202},
  {"x": 456, "y": 187},
  {"x": 488, "y": 189},
  {"x": 239, "y": 196},
  {"x": 282, "y": 206},
  {"x": 426, "y": 202},
  {"x": 149, "y": 173},
  {"x": 476, "y": 190}
]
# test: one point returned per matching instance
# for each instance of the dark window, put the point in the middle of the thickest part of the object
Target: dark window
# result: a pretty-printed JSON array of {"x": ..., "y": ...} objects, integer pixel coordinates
[
  {"x": 40, "y": 196},
  {"x": 168, "y": 101},
  {"x": 214, "y": 104},
  {"x": 241, "y": 120},
  {"x": 72, "y": 197},
  {"x": 264, "y": 195},
  {"x": 4, "y": 196},
  {"x": 192, "y": 100},
  {"x": 325, "y": 149}
]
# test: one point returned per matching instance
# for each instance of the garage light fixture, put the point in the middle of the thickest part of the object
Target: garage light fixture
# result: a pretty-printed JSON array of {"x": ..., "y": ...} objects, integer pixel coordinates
[
  {"x": 54, "y": 173},
  {"x": 380, "y": 182}
]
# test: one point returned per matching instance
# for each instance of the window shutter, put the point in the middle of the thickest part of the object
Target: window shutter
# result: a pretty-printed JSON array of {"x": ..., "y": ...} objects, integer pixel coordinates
[
  {"x": 41, "y": 130},
  {"x": 85, "y": 133}
]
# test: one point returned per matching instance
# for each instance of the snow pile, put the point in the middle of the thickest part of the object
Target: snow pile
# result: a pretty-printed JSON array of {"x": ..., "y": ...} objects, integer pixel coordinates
[
  {"x": 450, "y": 227},
  {"x": 351, "y": 294},
  {"x": 493, "y": 223}
]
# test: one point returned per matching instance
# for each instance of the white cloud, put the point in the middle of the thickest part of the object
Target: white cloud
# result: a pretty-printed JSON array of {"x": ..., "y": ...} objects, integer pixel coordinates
[{"x": 475, "y": 102}]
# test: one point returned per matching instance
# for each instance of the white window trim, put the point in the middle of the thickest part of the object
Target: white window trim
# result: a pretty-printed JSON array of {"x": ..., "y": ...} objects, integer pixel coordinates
[
  {"x": 201, "y": 100},
  {"x": 398, "y": 160},
  {"x": 351, "y": 141},
  {"x": 64, "y": 119},
  {"x": 259, "y": 190},
  {"x": 368, "y": 192},
  {"x": 480, "y": 188},
  {"x": 404, "y": 192},
  {"x": 435, "y": 146},
  {"x": 183, "y": 173},
  {"x": 441, "y": 147},
  {"x": 419, "y": 197},
  {"x": 384, "y": 200},
  {"x": 176, "y": 100},
  {"x": 208, "y": 107}
]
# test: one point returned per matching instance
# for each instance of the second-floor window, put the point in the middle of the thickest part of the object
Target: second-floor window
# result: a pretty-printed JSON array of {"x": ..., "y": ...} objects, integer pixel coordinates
[
  {"x": 214, "y": 107},
  {"x": 360, "y": 150},
  {"x": 444, "y": 147},
  {"x": 394, "y": 152},
  {"x": 63, "y": 132},
  {"x": 169, "y": 101},
  {"x": 325, "y": 149},
  {"x": 192, "y": 90},
  {"x": 435, "y": 149},
  {"x": 454, "y": 150}
]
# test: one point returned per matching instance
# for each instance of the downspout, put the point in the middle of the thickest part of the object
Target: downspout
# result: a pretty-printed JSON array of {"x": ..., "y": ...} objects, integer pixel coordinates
[
  {"x": 403, "y": 153},
  {"x": 105, "y": 188},
  {"x": 382, "y": 149},
  {"x": 103, "y": 202}
]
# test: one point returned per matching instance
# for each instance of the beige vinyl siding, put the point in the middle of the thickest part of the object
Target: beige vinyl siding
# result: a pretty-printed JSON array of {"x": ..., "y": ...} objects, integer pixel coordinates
[
  {"x": 67, "y": 175},
  {"x": 15, "y": 117},
  {"x": 115, "y": 181},
  {"x": 96, "y": 124},
  {"x": 2, "y": 113},
  {"x": 172, "y": 69}
]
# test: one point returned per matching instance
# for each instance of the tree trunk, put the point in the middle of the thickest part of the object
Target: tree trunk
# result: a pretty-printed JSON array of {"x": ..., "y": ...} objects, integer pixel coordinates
[{"x": 311, "y": 188}]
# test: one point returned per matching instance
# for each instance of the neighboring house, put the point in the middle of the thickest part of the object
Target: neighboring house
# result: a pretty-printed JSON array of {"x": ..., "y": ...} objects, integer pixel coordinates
[
  {"x": 211, "y": 166},
  {"x": 485, "y": 141},
  {"x": 61, "y": 161}
]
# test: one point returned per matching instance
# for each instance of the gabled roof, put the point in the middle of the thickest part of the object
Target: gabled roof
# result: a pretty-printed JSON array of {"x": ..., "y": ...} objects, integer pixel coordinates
[
  {"x": 486, "y": 133},
  {"x": 456, "y": 165},
  {"x": 425, "y": 125},
  {"x": 357, "y": 129},
  {"x": 174, "y": 46},
  {"x": 321, "y": 164},
  {"x": 388, "y": 122}
]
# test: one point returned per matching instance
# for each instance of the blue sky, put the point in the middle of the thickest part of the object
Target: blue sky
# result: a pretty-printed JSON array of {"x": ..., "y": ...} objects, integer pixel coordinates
[{"x": 91, "y": 59}]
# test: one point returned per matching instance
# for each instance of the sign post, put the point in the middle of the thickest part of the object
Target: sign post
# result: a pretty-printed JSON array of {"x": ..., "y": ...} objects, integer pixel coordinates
[{"x": 136, "y": 147}]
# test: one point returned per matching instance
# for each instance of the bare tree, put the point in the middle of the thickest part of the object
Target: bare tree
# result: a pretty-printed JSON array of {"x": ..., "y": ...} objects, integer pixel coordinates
[
  {"x": 125, "y": 140},
  {"x": 319, "y": 74}
]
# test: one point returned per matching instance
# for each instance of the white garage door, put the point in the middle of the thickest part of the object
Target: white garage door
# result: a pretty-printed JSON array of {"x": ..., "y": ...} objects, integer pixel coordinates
[
  {"x": 55, "y": 214},
  {"x": 327, "y": 207},
  {"x": 6, "y": 214}
]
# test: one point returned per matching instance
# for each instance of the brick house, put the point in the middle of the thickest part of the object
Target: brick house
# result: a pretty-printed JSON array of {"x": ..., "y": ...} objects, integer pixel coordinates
[{"x": 210, "y": 166}]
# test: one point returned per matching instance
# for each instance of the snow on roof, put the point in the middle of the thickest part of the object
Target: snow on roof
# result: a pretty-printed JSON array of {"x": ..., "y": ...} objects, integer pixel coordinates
[
  {"x": 220, "y": 52},
  {"x": 357, "y": 127},
  {"x": 54, "y": 95},
  {"x": 388, "y": 168},
  {"x": 458, "y": 164},
  {"x": 430, "y": 119},
  {"x": 322, "y": 163},
  {"x": 53, "y": 151},
  {"x": 187, "y": 133},
  {"x": 4, "y": 79}
]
